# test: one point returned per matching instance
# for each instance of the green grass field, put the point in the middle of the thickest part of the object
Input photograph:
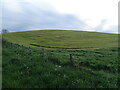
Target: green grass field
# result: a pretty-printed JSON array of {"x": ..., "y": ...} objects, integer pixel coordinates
[
  {"x": 63, "y": 39},
  {"x": 25, "y": 67}
]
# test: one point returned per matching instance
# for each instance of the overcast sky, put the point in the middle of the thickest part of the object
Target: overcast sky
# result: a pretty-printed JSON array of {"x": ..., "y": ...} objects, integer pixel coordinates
[{"x": 85, "y": 15}]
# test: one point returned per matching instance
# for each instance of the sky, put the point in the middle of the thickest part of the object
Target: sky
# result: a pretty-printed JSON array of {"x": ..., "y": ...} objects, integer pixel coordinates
[{"x": 83, "y": 15}]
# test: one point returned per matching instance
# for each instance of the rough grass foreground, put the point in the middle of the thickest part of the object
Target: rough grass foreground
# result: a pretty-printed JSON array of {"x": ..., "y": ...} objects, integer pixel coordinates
[{"x": 24, "y": 67}]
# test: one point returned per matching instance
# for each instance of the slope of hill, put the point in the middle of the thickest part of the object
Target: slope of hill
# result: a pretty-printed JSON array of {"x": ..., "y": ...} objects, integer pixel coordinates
[
  {"x": 63, "y": 39},
  {"x": 26, "y": 67}
]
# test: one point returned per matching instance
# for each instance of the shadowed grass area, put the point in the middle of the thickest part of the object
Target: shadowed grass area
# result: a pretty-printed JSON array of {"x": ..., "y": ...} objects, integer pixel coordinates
[{"x": 63, "y": 39}]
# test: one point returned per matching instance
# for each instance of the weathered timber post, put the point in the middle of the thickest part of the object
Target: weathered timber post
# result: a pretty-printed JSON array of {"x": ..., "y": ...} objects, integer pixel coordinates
[
  {"x": 42, "y": 52},
  {"x": 71, "y": 60}
]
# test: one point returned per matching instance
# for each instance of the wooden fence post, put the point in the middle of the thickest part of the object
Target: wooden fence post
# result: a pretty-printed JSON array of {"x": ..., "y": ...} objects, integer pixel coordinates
[
  {"x": 71, "y": 60},
  {"x": 42, "y": 52}
]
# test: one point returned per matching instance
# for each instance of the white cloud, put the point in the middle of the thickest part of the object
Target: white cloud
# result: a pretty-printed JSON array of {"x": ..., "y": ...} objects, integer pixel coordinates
[{"x": 91, "y": 12}]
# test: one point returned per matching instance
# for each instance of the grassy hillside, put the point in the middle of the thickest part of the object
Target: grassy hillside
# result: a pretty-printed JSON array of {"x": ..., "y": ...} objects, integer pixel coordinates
[
  {"x": 63, "y": 39},
  {"x": 24, "y": 67}
]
